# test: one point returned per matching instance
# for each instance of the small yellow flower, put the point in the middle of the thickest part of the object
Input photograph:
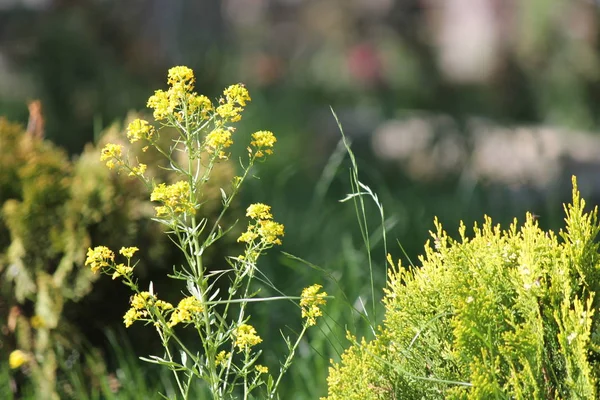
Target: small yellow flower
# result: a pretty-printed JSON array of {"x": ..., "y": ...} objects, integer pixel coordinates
[
  {"x": 263, "y": 141},
  {"x": 229, "y": 112},
  {"x": 140, "y": 304},
  {"x": 139, "y": 170},
  {"x": 222, "y": 358},
  {"x": 163, "y": 305},
  {"x": 111, "y": 150},
  {"x": 237, "y": 94},
  {"x": 248, "y": 236},
  {"x": 181, "y": 75},
  {"x": 261, "y": 369},
  {"x": 217, "y": 140},
  {"x": 130, "y": 317},
  {"x": 259, "y": 211},
  {"x": 201, "y": 104},
  {"x": 111, "y": 153},
  {"x": 162, "y": 105},
  {"x": 246, "y": 337},
  {"x": 175, "y": 197},
  {"x": 310, "y": 303},
  {"x": 161, "y": 210},
  {"x": 142, "y": 300},
  {"x": 128, "y": 251},
  {"x": 99, "y": 257},
  {"x": 139, "y": 129},
  {"x": 270, "y": 231},
  {"x": 185, "y": 310},
  {"x": 121, "y": 270},
  {"x": 18, "y": 358}
]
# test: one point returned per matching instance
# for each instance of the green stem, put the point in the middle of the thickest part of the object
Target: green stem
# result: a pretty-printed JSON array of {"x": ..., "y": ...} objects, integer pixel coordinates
[
  {"x": 230, "y": 198},
  {"x": 166, "y": 346},
  {"x": 287, "y": 363},
  {"x": 246, "y": 361}
]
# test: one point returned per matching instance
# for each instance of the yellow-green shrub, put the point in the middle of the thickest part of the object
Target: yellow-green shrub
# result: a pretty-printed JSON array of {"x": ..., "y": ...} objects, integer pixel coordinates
[
  {"x": 52, "y": 208},
  {"x": 501, "y": 314}
]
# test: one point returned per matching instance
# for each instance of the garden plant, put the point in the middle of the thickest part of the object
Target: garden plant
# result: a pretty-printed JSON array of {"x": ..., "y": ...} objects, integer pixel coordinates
[
  {"x": 504, "y": 314},
  {"x": 226, "y": 355}
]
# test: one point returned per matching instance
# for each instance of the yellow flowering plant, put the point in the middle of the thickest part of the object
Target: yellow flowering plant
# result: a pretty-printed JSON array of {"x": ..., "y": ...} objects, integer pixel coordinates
[{"x": 227, "y": 354}]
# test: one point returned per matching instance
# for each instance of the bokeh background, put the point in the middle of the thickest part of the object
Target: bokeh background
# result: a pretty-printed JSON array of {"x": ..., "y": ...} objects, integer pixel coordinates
[{"x": 455, "y": 109}]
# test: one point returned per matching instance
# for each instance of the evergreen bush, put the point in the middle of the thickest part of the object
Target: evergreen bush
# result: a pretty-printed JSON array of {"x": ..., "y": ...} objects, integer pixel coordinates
[{"x": 496, "y": 315}]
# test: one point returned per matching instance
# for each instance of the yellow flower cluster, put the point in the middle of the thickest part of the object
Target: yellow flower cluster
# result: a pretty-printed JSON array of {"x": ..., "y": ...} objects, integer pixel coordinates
[
  {"x": 133, "y": 315},
  {"x": 179, "y": 95},
  {"x": 163, "y": 103},
  {"x": 99, "y": 257},
  {"x": 179, "y": 103},
  {"x": 185, "y": 310},
  {"x": 175, "y": 197},
  {"x": 139, "y": 300},
  {"x": 111, "y": 153},
  {"x": 237, "y": 94},
  {"x": 122, "y": 270},
  {"x": 139, "y": 170},
  {"x": 310, "y": 303},
  {"x": 261, "y": 369},
  {"x": 222, "y": 357},
  {"x": 140, "y": 303},
  {"x": 246, "y": 337},
  {"x": 139, "y": 129},
  {"x": 248, "y": 236},
  {"x": 259, "y": 211},
  {"x": 181, "y": 80},
  {"x": 199, "y": 103},
  {"x": 18, "y": 358},
  {"x": 128, "y": 251},
  {"x": 269, "y": 231},
  {"x": 231, "y": 106},
  {"x": 218, "y": 140},
  {"x": 181, "y": 76},
  {"x": 263, "y": 141}
]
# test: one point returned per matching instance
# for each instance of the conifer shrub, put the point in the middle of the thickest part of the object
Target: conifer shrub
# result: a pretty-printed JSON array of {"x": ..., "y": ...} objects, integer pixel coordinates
[
  {"x": 52, "y": 208},
  {"x": 496, "y": 314}
]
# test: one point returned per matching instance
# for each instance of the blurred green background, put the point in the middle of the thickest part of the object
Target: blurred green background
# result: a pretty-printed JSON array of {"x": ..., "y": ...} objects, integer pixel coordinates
[{"x": 455, "y": 109}]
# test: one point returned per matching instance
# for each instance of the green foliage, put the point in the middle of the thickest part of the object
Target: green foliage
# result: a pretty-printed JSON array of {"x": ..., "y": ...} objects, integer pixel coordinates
[
  {"x": 503, "y": 314},
  {"x": 51, "y": 210}
]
